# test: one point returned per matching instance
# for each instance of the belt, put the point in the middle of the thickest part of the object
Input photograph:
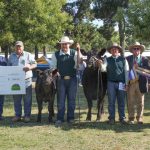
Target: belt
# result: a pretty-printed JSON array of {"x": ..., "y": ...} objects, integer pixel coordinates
[
  {"x": 133, "y": 81},
  {"x": 66, "y": 77}
]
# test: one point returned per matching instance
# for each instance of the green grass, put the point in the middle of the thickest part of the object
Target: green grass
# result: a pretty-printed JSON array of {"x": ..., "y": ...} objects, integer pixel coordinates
[{"x": 79, "y": 136}]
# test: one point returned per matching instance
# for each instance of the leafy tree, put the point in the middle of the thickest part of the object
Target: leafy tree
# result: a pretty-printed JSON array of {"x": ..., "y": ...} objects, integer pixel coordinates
[
  {"x": 84, "y": 31},
  {"x": 111, "y": 12},
  {"x": 37, "y": 22},
  {"x": 138, "y": 18}
]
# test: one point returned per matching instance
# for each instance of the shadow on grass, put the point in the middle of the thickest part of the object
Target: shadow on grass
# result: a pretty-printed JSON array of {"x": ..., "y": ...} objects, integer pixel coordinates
[
  {"x": 117, "y": 127},
  {"x": 7, "y": 122},
  {"x": 147, "y": 114}
]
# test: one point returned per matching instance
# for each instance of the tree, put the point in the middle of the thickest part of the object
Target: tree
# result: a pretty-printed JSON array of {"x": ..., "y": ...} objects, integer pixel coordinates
[
  {"x": 37, "y": 22},
  {"x": 84, "y": 31},
  {"x": 111, "y": 12},
  {"x": 138, "y": 18}
]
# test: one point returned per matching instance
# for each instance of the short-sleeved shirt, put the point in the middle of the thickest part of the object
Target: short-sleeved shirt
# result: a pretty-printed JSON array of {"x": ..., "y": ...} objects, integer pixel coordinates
[
  {"x": 54, "y": 60},
  {"x": 25, "y": 58}
]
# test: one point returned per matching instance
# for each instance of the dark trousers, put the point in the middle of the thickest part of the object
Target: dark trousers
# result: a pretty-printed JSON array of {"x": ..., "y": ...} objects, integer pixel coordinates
[
  {"x": 66, "y": 89},
  {"x": 1, "y": 104},
  {"x": 113, "y": 94}
]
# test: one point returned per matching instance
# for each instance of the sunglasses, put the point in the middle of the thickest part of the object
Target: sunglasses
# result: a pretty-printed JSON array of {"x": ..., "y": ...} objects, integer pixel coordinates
[{"x": 136, "y": 48}]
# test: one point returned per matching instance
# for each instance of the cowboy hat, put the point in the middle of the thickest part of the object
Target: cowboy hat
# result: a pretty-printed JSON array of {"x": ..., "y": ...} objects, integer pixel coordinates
[
  {"x": 65, "y": 39},
  {"x": 115, "y": 45},
  {"x": 136, "y": 44}
]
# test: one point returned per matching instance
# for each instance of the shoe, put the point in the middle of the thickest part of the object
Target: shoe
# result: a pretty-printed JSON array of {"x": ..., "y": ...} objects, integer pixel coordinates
[
  {"x": 131, "y": 122},
  {"x": 16, "y": 119},
  {"x": 71, "y": 121},
  {"x": 111, "y": 121},
  {"x": 80, "y": 85},
  {"x": 26, "y": 119},
  {"x": 140, "y": 122},
  {"x": 123, "y": 122},
  {"x": 58, "y": 123}
]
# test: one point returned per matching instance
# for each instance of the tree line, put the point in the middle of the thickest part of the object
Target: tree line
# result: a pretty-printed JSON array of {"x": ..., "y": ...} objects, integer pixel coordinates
[{"x": 40, "y": 24}]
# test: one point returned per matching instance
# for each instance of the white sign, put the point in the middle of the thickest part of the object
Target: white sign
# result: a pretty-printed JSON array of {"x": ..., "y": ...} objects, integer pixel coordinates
[{"x": 12, "y": 80}]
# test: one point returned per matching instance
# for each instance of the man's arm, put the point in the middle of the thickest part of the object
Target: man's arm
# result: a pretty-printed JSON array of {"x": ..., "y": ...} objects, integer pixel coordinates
[
  {"x": 78, "y": 56},
  {"x": 32, "y": 64}
]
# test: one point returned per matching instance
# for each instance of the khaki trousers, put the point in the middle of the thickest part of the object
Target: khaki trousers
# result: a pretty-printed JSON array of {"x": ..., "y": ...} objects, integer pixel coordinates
[{"x": 135, "y": 102}]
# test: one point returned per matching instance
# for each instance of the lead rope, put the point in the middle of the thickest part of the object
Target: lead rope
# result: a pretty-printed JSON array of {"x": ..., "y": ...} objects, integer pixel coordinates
[{"x": 98, "y": 84}]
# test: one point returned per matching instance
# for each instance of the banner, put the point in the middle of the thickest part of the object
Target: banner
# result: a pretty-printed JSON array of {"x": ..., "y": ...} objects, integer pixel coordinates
[{"x": 12, "y": 80}]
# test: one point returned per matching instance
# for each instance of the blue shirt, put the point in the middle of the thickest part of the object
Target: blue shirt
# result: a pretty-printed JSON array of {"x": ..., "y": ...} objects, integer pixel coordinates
[
  {"x": 3, "y": 61},
  {"x": 25, "y": 58}
]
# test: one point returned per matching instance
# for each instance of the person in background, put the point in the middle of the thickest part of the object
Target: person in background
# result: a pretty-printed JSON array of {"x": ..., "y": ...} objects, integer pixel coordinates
[
  {"x": 82, "y": 66},
  {"x": 26, "y": 60},
  {"x": 116, "y": 67},
  {"x": 66, "y": 60},
  {"x": 138, "y": 84},
  {"x": 3, "y": 62}
]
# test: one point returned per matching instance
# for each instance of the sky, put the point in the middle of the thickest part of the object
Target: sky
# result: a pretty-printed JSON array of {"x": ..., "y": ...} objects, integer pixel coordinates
[{"x": 96, "y": 22}]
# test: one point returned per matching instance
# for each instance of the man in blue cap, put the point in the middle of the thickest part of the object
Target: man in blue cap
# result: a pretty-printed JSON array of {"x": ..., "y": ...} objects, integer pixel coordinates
[{"x": 26, "y": 60}]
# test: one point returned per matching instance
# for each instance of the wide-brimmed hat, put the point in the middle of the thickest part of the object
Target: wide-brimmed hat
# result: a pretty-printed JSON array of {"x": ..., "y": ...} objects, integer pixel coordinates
[
  {"x": 115, "y": 45},
  {"x": 65, "y": 39},
  {"x": 19, "y": 43},
  {"x": 136, "y": 44}
]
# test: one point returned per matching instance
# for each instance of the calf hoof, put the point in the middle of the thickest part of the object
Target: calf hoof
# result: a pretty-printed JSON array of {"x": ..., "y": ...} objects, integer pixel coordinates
[
  {"x": 38, "y": 120},
  {"x": 88, "y": 119},
  {"x": 98, "y": 120}
]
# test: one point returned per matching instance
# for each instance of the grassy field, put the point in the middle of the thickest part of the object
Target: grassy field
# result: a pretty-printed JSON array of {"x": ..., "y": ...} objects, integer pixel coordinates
[{"x": 79, "y": 136}]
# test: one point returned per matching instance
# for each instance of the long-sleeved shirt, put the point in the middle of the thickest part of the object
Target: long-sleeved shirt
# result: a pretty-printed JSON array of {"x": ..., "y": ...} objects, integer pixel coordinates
[{"x": 126, "y": 68}]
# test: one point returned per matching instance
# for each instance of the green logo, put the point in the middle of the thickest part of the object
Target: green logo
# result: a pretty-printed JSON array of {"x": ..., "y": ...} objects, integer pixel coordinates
[{"x": 15, "y": 87}]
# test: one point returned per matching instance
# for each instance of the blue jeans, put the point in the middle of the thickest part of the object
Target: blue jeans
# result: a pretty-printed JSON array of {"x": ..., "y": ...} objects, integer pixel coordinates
[
  {"x": 1, "y": 104},
  {"x": 113, "y": 94},
  {"x": 66, "y": 89},
  {"x": 80, "y": 76},
  {"x": 27, "y": 98}
]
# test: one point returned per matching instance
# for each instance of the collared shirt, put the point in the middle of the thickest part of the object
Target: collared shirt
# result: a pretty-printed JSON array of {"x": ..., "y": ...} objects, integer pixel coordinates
[
  {"x": 54, "y": 60},
  {"x": 138, "y": 59},
  {"x": 104, "y": 67},
  {"x": 23, "y": 60}
]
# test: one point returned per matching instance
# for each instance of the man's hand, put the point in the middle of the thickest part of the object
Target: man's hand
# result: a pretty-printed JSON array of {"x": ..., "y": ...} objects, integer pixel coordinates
[
  {"x": 27, "y": 67},
  {"x": 126, "y": 87},
  {"x": 136, "y": 66},
  {"x": 78, "y": 47},
  {"x": 99, "y": 62}
]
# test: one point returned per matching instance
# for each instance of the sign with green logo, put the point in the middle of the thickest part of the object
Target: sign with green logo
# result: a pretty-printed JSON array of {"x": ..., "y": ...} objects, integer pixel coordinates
[{"x": 12, "y": 80}]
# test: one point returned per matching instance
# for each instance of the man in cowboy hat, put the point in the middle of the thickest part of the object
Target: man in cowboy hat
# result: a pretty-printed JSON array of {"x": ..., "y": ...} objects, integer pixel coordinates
[
  {"x": 116, "y": 67},
  {"x": 137, "y": 83},
  {"x": 66, "y": 61}
]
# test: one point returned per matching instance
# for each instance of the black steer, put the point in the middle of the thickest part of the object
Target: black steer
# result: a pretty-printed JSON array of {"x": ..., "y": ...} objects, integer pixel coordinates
[
  {"x": 94, "y": 85},
  {"x": 45, "y": 89}
]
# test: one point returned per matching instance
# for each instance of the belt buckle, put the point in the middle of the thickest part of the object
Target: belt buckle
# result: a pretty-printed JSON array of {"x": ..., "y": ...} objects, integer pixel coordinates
[{"x": 66, "y": 77}]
